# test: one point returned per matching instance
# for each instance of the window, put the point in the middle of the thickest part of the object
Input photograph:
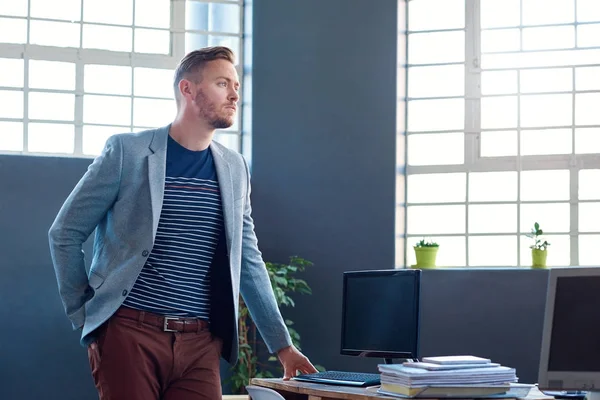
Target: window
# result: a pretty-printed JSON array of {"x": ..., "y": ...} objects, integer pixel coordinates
[
  {"x": 502, "y": 130},
  {"x": 71, "y": 76}
]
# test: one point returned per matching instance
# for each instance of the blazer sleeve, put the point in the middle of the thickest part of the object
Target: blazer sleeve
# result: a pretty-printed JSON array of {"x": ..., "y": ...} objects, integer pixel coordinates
[
  {"x": 255, "y": 285},
  {"x": 81, "y": 212}
]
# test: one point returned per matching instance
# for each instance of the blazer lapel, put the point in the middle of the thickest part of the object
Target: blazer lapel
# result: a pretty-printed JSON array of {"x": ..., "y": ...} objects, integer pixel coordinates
[
  {"x": 156, "y": 173},
  {"x": 226, "y": 186}
]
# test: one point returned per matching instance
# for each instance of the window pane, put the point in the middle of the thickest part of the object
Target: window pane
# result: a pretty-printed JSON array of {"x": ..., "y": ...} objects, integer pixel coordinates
[
  {"x": 588, "y": 217},
  {"x": 546, "y": 110},
  {"x": 552, "y": 217},
  {"x": 446, "y": 80},
  {"x": 436, "y": 14},
  {"x": 588, "y": 253},
  {"x": 587, "y": 78},
  {"x": 52, "y": 106},
  {"x": 151, "y": 82},
  {"x": 153, "y": 13},
  {"x": 12, "y": 72},
  {"x": 449, "y": 115},
  {"x": 588, "y": 11},
  {"x": 228, "y": 41},
  {"x": 545, "y": 185},
  {"x": 16, "y": 8},
  {"x": 215, "y": 17},
  {"x": 437, "y": 47},
  {"x": 587, "y": 140},
  {"x": 546, "y": 80},
  {"x": 586, "y": 109},
  {"x": 11, "y": 136},
  {"x": 107, "y": 79},
  {"x": 106, "y": 38},
  {"x": 61, "y": 34},
  {"x": 152, "y": 41},
  {"x": 540, "y": 12},
  {"x": 500, "y": 40},
  {"x": 493, "y": 186},
  {"x": 51, "y": 75},
  {"x": 436, "y": 149},
  {"x": 69, "y": 10},
  {"x": 436, "y": 188},
  {"x": 51, "y": 138},
  {"x": 104, "y": 11},
  {"x": 94, "y": 137},
  {"x": 11, "y": 104},
  {"x": 107, "y": 110},
  {"x": 559, "y": 251},
  {"x": 148, "y": 112},
  {"x": 498, "y": 13},
  {"x": 498, "y": 143},
  {"x": 429, "y": 220},
  {"x": 499, "y": 82},
  {"x": 554, "y": 37},
  {"x": 588, "y": 35},
  {"x": 498, "y": 112},
  {"x": 229, "y": 140},
  {"x": 493, "y": 251},
  {"x": 451, "y": 253},
  {"x": 13, "y": 30},
  {"x": 493, "y": 218},
  {"x": 588, "y": 184},
  {"x": 547, "y": 141},
  {"x": 541, "y": 59}
]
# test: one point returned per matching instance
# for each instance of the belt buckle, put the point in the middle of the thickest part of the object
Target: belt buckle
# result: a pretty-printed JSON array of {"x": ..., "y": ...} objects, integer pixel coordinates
[{"x": 166, "y": 324}]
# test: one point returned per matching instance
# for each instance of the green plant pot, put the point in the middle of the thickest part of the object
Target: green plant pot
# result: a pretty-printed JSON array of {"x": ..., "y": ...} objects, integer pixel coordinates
[
  {"x": 538, "y": 258},
  {"x": 425, "y": 257}
]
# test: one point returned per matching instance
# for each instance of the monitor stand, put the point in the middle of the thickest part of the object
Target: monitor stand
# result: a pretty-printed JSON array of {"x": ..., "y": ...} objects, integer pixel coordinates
[{"x": 391, "y": 361}]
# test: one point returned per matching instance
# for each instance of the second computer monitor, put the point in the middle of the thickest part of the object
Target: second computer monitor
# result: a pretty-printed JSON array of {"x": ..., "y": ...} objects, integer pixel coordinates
[
  {"x": 570, "y": 355},
  {"x": 380, "y": 314}
]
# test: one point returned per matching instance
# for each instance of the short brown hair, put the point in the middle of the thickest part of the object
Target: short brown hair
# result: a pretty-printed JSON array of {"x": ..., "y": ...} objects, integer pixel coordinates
[{"x": 195, "y": 61}]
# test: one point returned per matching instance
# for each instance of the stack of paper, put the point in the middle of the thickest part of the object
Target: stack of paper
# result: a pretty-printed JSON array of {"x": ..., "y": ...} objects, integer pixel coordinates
[{"x": 455, "y": 376}]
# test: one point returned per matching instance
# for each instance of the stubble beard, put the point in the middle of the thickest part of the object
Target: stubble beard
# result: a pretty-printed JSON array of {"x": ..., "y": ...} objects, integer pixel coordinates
[{"x": 209, "y": 114}]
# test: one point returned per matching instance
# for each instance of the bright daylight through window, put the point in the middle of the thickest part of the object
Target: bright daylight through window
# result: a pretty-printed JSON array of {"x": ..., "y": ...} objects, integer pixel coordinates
[
  {"x": 503, "y": 130},
  {"x": 73, "y": 75}
]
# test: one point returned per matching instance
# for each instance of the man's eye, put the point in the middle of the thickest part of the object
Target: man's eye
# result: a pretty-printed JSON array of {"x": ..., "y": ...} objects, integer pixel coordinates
[{"x": 224, "y": 84}]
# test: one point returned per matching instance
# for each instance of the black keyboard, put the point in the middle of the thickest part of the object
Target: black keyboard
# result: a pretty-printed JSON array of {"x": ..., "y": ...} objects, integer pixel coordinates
[{"x": 341, "y": 378}]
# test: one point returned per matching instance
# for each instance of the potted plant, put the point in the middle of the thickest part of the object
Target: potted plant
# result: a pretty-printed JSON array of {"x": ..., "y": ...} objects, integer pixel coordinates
[
  {"x": 254, "y": 362},
  {"x": 426, "y": 253},
  {"x": 539, "y": 248}
]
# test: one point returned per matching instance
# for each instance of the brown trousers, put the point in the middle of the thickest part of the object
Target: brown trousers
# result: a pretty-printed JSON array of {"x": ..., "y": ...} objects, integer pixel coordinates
[{"x": 133, "y": 359}]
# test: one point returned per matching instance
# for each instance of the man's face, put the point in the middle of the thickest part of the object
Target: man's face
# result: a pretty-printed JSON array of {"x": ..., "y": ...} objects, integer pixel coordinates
[{"x": 217, "y": 94}]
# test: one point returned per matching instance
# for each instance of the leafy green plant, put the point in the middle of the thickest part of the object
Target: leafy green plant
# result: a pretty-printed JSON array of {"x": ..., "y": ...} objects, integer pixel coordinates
[
  {"x": 250, "y": 364},
  {"x": 536, "y": 233},
  {"x": 426, "y": 243}
]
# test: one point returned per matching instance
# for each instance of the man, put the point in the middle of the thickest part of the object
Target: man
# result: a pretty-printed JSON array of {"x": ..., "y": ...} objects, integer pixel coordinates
[{"x": 174, "y": 248}]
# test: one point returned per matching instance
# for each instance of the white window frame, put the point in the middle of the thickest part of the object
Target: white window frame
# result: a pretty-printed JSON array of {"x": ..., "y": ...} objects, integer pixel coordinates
[
  {"x": 82, "y": 56},
  {"x": 472, "y": 139}
]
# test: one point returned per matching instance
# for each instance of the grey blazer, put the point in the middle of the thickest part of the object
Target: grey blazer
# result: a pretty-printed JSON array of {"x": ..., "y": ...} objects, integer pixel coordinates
[{"x": 120, "y": 196}]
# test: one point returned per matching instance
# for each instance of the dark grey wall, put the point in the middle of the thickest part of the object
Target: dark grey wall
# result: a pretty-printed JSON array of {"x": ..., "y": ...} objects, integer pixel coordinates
[
  {"x": 493, "y": 313},
  {"x": 324, "y": 129},
  {"x": 40, "y": 356}
]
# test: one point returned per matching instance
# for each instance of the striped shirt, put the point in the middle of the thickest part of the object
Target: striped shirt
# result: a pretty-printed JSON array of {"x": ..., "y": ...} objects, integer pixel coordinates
[{"x": 175, "y": 280}]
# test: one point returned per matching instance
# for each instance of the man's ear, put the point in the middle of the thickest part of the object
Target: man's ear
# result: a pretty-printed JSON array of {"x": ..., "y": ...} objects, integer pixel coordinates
[{"x": 186, "y": 89}]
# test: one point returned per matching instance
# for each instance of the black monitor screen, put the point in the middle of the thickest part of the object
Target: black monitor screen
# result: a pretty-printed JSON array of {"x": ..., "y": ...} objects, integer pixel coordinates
[
  {"x": 575, "y": 344},
  {"x": 380, "y": 313}
]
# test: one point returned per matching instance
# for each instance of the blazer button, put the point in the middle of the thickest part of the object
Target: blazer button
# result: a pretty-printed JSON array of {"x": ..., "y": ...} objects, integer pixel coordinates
[
  {"x": 145, "y": 253},
  {"x": 124, "y": 292}
]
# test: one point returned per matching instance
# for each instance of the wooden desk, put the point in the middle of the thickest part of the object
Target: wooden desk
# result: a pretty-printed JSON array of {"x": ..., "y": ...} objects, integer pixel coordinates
[{"x": 296, "y": 390}]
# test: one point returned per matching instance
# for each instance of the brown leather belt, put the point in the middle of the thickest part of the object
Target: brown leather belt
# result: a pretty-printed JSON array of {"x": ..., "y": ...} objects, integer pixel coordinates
[{"x": 167, "y": 324}]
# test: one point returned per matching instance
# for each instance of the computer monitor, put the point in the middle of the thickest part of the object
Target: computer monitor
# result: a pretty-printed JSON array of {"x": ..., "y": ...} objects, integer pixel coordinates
[
  {"x": 570, "y": 355},
  {"x": 380, "y": 314}
]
